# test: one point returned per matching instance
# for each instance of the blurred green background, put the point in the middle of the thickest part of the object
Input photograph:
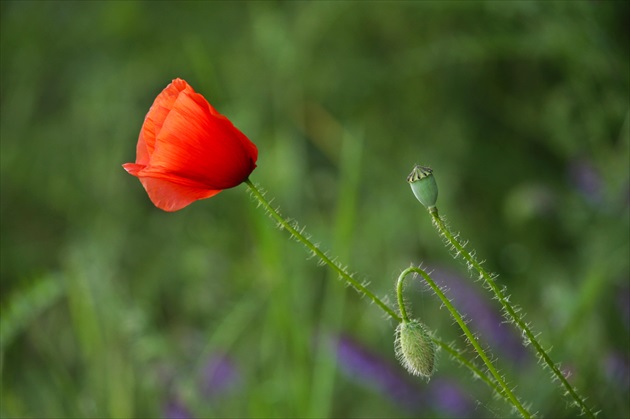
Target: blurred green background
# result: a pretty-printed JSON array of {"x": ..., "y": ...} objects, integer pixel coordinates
[{"x": 113, "y": 308}]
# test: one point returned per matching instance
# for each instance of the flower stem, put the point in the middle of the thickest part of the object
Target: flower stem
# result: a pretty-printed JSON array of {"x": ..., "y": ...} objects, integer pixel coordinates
[
  {"x": 299, "y": 236},
  {"x": 504, "y": 389},
  {"x": 509, "y": 312},
  {"x": 456, "y": 354},
  {"x": 399, "y": 295}
]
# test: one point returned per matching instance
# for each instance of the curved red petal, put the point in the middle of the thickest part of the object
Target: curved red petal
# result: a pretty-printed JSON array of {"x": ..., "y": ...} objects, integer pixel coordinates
[
  {"x": 133, "y": 168},
  {"x": 142, "y": 151},
  {"x": 170, "y": 196},
  {"x": 251, "y": 150},
  {"x": 195, "y": 144},
  {"x": 155, "y": 118},
  {"x": 249, "y": 146}
]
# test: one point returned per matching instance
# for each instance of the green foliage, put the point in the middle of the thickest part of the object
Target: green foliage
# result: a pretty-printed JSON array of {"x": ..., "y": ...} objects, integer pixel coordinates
[{"x": 112, "y": 308}]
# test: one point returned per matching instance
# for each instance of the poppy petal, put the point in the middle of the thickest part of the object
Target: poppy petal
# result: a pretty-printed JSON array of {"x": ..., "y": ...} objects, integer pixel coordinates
[
  {"x": 170, "y": 196},
  {"x": 203, "y": 147},
  {"x": 156, "y": 116},
  {"x": 143, "y": 156},
  {"x": 133, "y": 168}
]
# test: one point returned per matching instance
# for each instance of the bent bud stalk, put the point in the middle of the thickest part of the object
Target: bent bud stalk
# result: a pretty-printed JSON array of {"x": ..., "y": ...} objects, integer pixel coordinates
[
  {"x": 503, "y": 389},
  {"x": 413, "y": 345}
]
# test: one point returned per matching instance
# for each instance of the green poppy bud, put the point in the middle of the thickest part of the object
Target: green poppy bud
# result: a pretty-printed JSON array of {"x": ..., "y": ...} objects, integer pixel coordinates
[
  {"x": 415, "y": 349},
  {"x": 423, "y": 185}
]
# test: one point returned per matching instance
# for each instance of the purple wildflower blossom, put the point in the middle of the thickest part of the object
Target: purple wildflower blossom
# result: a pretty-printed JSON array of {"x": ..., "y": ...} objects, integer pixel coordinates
[
  {"x": 449, "y": 398},
  {"x": 175, "y": 409},
  {"x": 369, "y": 368},
  {"x": 372, "y": 370},
  {"x": 219, "y": 375},
  {"x": 586, "y": 179},
  {"x": 617, "y": 369}
]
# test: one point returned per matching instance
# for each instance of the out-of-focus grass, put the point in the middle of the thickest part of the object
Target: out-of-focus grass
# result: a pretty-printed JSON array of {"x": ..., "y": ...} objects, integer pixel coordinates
[{"x": 111, "y": 307}]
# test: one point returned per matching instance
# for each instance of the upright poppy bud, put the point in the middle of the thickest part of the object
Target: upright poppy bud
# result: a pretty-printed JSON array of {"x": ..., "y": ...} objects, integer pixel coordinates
[
  {"x": 188, "y": 151},
  {"x": 423, "y": 185}
]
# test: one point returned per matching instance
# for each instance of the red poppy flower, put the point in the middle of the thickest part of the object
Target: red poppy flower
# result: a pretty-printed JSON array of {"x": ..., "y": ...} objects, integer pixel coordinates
[{"x": 188, "y": 151}]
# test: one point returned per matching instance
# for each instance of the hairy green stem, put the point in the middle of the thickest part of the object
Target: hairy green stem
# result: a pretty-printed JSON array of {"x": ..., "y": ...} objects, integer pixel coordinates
[
  {"x": 477, "y": 373},
  {"x": 275, "y": 214},
  {"x": 298, "y": 235},
  {"x": 504, "y": 389},
  {"x": 399, "y": 295},
  {"x": 509, "y": 311}
]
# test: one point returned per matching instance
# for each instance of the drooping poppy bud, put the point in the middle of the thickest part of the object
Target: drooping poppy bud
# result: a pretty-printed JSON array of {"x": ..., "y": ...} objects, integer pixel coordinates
[
  {"x": 423, "y": 185},
  {"x": 415, "y": 349},
  {"x": 188, "y": 151}
]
